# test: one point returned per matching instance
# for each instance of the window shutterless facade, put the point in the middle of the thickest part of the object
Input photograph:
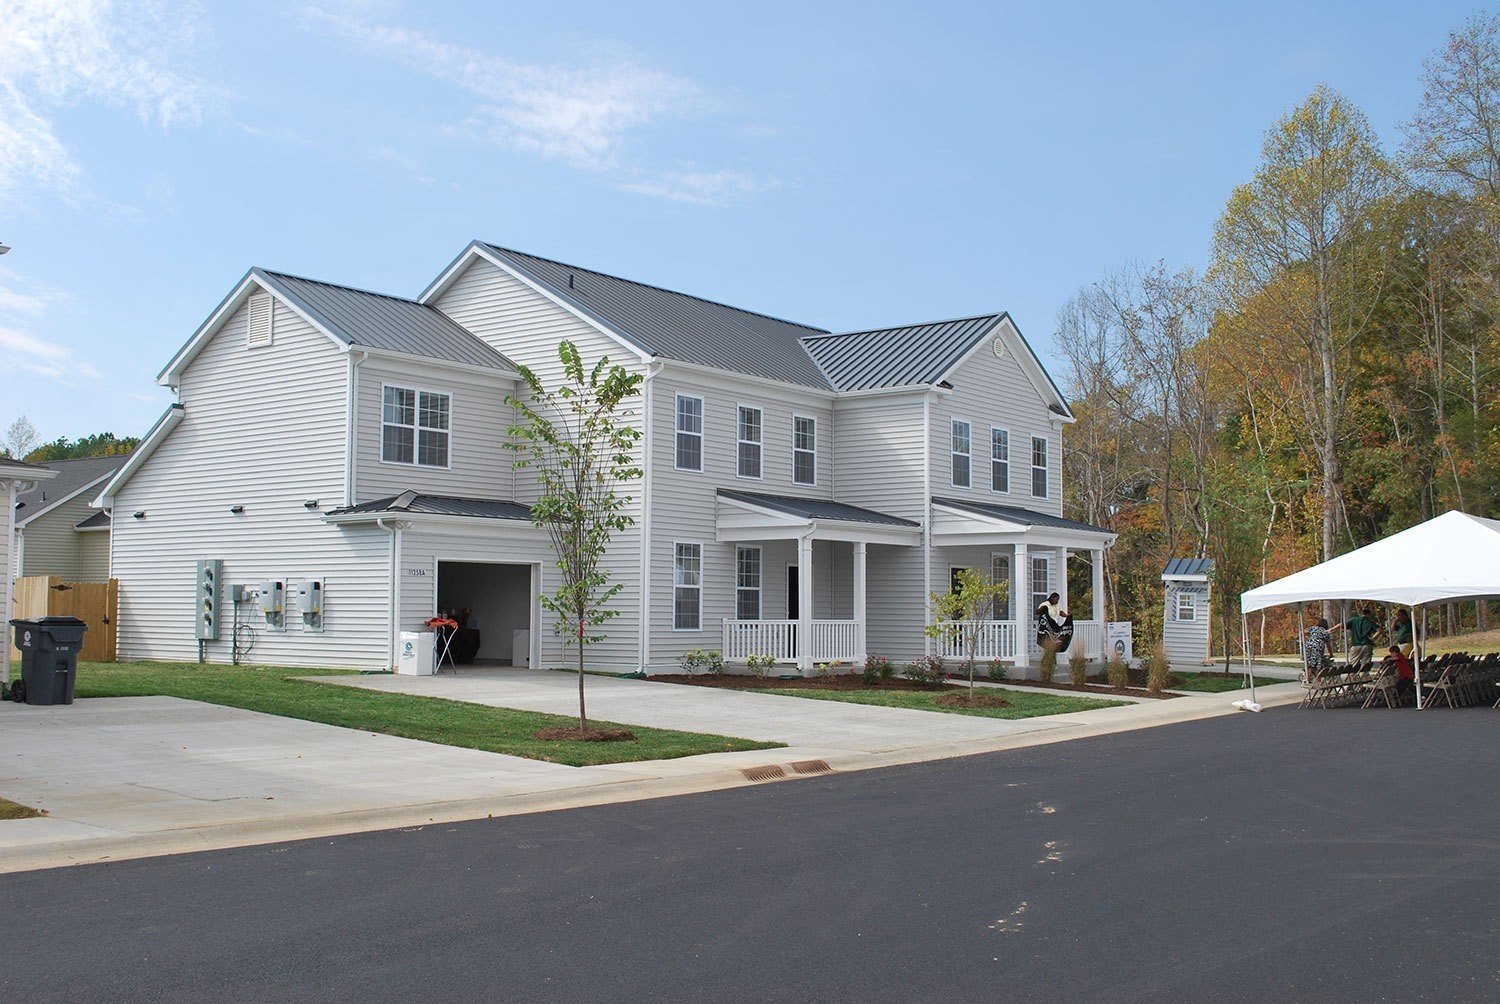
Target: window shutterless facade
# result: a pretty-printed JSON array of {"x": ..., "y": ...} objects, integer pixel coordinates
[
  {"x": 804, "y": 450},
  {"x": 1038, "y": 467},
  {"x": 689, "y": 433},
  {"x": 687, "y": 587},
  {"x": 1000, "y": 460},
  {"x": 415, "y": 426},
  {"x": 1041, "y": 581},
  {"x": 1000, "y": 572},
  {"x": 751, "y": 430},
  {"x": 960, "y": 447},
  {"x": 747, "y": 582}
]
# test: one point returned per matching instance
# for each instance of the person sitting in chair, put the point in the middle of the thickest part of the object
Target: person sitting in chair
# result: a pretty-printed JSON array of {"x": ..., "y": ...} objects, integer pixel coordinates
[{"x": 1406, "y": 676}]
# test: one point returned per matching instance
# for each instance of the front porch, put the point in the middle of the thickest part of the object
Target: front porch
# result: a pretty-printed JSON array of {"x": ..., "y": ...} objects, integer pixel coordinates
[{"x": 998, "y": 640}]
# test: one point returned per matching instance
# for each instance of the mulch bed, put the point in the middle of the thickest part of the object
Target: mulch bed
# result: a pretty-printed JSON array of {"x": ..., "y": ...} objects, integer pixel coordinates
[
  {"x": 978, "y": 700},
  {"x": 573, "y": 734},
  {"x": 734, "y": 681}
]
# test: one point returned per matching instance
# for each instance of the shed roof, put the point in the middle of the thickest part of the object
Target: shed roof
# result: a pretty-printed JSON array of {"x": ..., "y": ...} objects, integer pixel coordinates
[
  {"x": 73, "y": 476},
  {"x": 1016, "y": 514},
  {"x": 98, "y": 521},
  {"x": 816, "y": 508},
  {"x": 1182, "y": 567},
  {"x": 899, "y": 356},
  {"x": 439, "y": 505}
]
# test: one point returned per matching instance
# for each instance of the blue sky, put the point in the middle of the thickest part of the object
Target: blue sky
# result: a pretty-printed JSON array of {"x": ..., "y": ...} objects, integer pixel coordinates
[{"x": 843, "y": 165}]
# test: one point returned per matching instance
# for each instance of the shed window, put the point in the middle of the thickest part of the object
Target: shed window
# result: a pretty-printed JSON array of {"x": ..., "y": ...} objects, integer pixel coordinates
[
  {"x": 689, "y": 433},
  {"x": 750, "y": 431},
  {"x": 687, "y": 587},
  {"x": 961, "y": 447},
  {"x": 415, "y": 427},
  {"x": 804, "y": 450},
  {"x": 999, "y": 460},
  {"x": 1038, "y": 467},
  {"x": 1187, "y": 605},
  {"x": 747, "y": 583}
]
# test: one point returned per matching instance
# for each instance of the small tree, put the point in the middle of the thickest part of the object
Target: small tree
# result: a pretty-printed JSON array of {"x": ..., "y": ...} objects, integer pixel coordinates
[
  {"x": 20, "y": 437},
  {"x": 578, "y": 442},
  {"x": 965, "y": 609}
]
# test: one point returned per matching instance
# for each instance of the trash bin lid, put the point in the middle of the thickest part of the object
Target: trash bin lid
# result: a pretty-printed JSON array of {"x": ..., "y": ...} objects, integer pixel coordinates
[{"x": 60, "y": 621}]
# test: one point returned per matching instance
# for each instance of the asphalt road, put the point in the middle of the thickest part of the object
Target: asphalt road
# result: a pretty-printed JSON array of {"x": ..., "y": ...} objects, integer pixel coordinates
[{"x": 1292, "y": 855}]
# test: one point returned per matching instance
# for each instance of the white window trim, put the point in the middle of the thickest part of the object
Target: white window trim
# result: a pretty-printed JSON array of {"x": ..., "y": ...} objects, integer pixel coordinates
[
  {"x": 702, "y": 433},
  {"x": 1010, "y": 582},
  {"x": 1191, "y": 605},
  {"x": 1047, "y": 590},
  {"x": 699, "y": 587},
  {"x": 417, "y": 390},
  {"x": 953, "y": 454},
  {"x": 805, "y": 418},
  {"x": 759, "y": 590},
  {"x": 1046, "y": 468},
  {"x": 738, "y": 442},
  {"x": 1008, "y": 481}
]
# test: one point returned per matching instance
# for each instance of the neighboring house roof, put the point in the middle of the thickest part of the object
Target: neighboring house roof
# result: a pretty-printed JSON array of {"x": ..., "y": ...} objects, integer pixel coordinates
[
  {"x": 900, "y": 356},
  {"x": 438, "y": 505},
  {"x": 73, "y": 477},
  {"x": 1016, "y": 514},
  {"x": 16, "y": 470},
  {"x": 1188, "y": 568},
  {"x": 675, "y": 325},
  {"x": 389, "y": 323},
  {"x": 816, "y": 508},
  {"x": 98, "y": 521}
]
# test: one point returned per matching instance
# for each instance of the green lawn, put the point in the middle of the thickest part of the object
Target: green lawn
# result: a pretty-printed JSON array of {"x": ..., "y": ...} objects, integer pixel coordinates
[
  {"x": 15, "y": 810},
  {"x": 271, "y": 690},
  {"x": 1216, "y": 683},
  {"x": 1023, "y": 704}
]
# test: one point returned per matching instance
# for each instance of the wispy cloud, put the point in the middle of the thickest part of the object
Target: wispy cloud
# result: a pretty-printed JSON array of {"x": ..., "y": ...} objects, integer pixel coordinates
[
  {"x": 23, "y": 351},
  {"x": 54, "y": 54},
  {"x": 702, "y": 187}
]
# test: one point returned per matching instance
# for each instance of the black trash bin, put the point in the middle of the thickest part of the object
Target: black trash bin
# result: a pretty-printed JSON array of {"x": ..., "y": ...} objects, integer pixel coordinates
[{"x": 49, "y": 657}]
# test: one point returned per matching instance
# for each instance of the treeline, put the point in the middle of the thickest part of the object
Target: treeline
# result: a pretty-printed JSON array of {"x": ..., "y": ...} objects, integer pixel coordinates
[
  {"x": 1330, "y": 379},
  {"x": 20, "y": 443}
]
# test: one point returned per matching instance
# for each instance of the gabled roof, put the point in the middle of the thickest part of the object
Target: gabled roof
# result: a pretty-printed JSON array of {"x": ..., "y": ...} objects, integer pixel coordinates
[
  {"x": 416, "y": 503},
  {"x": 73, "y": 477},
  {"x": 674, "y": 325},
  {"x": 820, "y": 509},
  {"x": 900, "y": 356},
  {"x": 1179, "y": 568},
  {"x": 1016, "y": 514}
]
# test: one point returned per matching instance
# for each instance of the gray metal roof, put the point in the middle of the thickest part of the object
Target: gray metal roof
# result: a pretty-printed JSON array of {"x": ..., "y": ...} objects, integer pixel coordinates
[
  {"x": 73, "y": 476},
  {"x": 388, "y": 323},
  {"x": 439, "y": 505},
  {"x": 897, "y": 357},
  {"x": 676, "y": 325},
  {"x": 1016, "y": 514},
  {"x": 816, "y": 508},
  {"x": 98, "y": 521},
  {"x": 1189, "y": 566}
]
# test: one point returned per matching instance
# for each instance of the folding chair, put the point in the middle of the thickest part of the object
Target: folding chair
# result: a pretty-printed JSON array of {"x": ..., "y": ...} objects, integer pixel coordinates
[
  {"x": 1386, "y": 685},
  {"x": 1444, "y": 687}
]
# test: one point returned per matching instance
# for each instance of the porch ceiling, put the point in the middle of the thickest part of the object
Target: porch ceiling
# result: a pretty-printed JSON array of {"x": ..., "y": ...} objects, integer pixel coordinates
[{"x": 744, "y": 516}]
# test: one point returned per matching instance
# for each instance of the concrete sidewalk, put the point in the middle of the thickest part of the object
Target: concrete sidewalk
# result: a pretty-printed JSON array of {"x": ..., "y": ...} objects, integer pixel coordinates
[{"x": 142, "y": 776}]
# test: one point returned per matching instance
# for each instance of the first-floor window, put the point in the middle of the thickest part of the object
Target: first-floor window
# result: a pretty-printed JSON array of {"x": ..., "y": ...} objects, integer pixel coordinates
[
  {"x": 414, "y": 427},
  {"x": 1038, "y": 467},
  {"x": 747, "y": 583},
  {"x": 960, "y": 448},
  {"x": 1041, "y": 581},
  {"x": 1000, "y": 573},
  {"x": 687, "y": 587},
  {"x": 1187, "y": 606}
]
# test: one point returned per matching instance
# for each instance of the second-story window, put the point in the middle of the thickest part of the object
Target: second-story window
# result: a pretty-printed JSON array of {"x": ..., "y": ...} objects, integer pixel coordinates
[
  {"x": 1038, "y": 467},
  {"x": 999, "y": 460},
  {"x": 962, "y": 449},
  {"x": 415, "y": 426},
  {"x": 689, "y": 433},
  {"x": 749, "y": 437},
  {"x": 804, "y": 450}
]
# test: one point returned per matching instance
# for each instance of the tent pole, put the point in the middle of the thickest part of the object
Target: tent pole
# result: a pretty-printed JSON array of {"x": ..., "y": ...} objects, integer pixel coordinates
[
  {"x": 1302, "y": 642},
  {"x": 1416, "y": 652},
  {"x": 1249, "y": 663},
  {"x": 1344, "y": 623}
]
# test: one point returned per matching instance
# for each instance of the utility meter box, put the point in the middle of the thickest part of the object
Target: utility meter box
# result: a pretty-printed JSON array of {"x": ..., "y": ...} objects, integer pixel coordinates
[
  {"x": 310, "y": 603},
  {"x": 207, "y": 598},
  {"x": 414, "y": 651},
  {"x": 272, "y": 598}
]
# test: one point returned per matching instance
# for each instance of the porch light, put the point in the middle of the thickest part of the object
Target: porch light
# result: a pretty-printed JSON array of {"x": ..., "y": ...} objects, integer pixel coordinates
[
  {"x": 310, "y": 504},
  {"x": 237, "y": 510},
  {"x": 139, "y": 514}
]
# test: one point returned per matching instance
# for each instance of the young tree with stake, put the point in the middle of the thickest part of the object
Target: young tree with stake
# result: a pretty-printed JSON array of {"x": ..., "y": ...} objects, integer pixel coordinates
[{"x": 965, "y": 609}]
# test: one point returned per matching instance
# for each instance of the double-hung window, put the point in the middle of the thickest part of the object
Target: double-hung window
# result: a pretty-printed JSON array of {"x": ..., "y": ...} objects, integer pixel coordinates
[
  {"x": 999, "y": 460},
  {"x": 1187, "y": 606},
  {"x": 1041, "y": 581},
  {"x": 689, "y": 433},
  {"x": 687, "y": 587},
  {"x": 750, "y": 426},
  {"x": 961, "y": 448},
  {"x": 1038, "y": 467},
  {"x": 1000, "y": 572},
  {"x": 415, "y": 427},
  {"x": 747, "y": 583},
  {"x": 804, "y": 450}
]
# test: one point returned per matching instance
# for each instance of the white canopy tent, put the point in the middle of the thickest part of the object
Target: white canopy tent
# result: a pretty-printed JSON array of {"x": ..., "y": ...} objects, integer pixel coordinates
[{"x": 1454, "y": 556}]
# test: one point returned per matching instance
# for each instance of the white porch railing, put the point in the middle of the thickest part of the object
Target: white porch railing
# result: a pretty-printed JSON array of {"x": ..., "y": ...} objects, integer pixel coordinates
[
  {"x": 997, "y": 640},
  {"x": 1088, "y": 638},
  {"x": 832, "y": 640},
  {"x": 835, "y": 641}
]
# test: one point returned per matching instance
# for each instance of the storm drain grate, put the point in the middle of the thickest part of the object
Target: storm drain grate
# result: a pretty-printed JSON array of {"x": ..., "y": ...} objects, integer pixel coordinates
[
  {"x": 811, "y": 767},
  {"x": 769, "y": 772}
]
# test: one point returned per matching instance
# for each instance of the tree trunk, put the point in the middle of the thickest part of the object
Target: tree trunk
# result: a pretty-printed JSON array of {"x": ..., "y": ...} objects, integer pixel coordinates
[{"x": 583, "y": 718}]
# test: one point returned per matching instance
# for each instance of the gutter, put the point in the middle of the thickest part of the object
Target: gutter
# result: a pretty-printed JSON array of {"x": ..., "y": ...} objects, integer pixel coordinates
[
  {"x": 394, "y": 591},
  {"x": 647, "y": 433}
]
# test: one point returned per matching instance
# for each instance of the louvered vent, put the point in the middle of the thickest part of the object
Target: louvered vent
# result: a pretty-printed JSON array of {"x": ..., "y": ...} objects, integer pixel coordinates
[{"x": 262, "y": 314}]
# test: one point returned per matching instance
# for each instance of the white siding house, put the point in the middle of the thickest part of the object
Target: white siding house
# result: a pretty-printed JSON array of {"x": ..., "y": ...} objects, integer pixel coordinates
[
  {"x": 58, "y": 530},
  {"x": 1187, "y": 592},
  {"x": 802, "y": 492},
  {"x": 15, "y": 478}
]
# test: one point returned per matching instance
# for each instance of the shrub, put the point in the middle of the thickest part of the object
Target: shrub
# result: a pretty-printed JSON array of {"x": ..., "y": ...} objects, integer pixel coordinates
[
  {"x": 825, "y": 668},
  {"x": 997, "y": 670},
  {"x": 1078, "y": 669},
  {"x": 1048, "y": 668},
  {"x": 761, "y": 665},
  {"x": 877, "y": 667},
  {"x": 1118, "y": 672},
  {"x": 1160, "y": 670},
  {"x": 929, "y": 670},
  {"x": 699, "y": 661}
]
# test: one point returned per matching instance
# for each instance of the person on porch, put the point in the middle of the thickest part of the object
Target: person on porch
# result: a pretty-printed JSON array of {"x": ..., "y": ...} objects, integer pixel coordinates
[{"x": 1054, "y": 630}]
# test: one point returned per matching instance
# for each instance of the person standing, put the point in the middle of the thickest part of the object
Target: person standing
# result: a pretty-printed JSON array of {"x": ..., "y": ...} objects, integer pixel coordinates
[
  {"x": 1360, "y": 630},
  {"x": 1401, "y": 633},
  {"x": 1318, "y": 645}
]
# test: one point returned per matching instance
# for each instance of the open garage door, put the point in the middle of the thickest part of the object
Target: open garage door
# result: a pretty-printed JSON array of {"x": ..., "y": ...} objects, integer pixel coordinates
[{"x": 495, "y": 606}]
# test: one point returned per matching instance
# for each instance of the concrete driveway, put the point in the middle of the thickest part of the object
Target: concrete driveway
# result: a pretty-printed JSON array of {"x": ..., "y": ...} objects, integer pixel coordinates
[{"x": 797, "y": 721}]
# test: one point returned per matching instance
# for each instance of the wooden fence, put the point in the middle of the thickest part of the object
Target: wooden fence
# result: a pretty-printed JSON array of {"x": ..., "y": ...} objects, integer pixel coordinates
[{"x": 94, "y": 603}]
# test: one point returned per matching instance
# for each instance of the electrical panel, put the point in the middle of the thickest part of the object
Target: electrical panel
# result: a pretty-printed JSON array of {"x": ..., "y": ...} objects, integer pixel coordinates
[
  {"x": 273, "y": 602},
  {"x": 310, "y": 603},
  {"x": 208, "y": 599}
]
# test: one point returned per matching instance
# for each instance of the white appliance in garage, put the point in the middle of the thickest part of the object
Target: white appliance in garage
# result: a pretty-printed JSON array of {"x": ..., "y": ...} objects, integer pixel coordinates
[{"x": 520, "y": 648}]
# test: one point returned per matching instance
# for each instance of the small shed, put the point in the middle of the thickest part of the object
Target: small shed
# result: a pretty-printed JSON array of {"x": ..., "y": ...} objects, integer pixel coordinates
[{"x": 1185, "y": 622}]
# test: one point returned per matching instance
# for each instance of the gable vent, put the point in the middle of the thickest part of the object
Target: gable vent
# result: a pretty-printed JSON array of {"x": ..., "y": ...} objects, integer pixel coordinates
[{"x": 262, "y": 318}]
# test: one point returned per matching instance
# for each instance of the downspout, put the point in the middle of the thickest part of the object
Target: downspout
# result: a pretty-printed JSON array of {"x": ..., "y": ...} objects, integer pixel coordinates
[
  {"x": 926, "y": 519},
  {"x": 393, "y": 592},
  {"x": 10, "y": 587},
  {"x": 647, "y": 433},
  {"x": 351, "y": 425}
]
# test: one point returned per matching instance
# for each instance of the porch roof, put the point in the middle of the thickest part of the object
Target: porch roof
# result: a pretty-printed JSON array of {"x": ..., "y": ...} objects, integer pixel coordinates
[
  {"x": 963, "y": 521},
  {"x": 761, "y": 516},
  {"x": 412, "y": 503}
]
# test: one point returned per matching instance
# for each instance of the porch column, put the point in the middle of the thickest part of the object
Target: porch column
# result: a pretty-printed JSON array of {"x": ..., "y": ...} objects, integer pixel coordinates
[
  {"x": 1062, "y": 579},
  {"x": 861, "y": 650},
  {"x": 1024, "y": 613},
  {"x": 804, "y": 602},
  {"x": 1097, "y": 554}
]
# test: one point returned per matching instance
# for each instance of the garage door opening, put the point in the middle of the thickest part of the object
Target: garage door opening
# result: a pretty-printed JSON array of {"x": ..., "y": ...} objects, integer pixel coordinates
[{"x": 494, "y": 606}]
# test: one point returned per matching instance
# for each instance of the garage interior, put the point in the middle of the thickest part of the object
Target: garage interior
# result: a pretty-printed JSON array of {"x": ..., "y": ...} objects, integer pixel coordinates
[{"x": 493, "y": 604}]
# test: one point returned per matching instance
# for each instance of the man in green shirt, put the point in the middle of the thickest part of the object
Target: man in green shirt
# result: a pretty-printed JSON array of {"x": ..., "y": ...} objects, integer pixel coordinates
[{"x": 1361, "y": 634}]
